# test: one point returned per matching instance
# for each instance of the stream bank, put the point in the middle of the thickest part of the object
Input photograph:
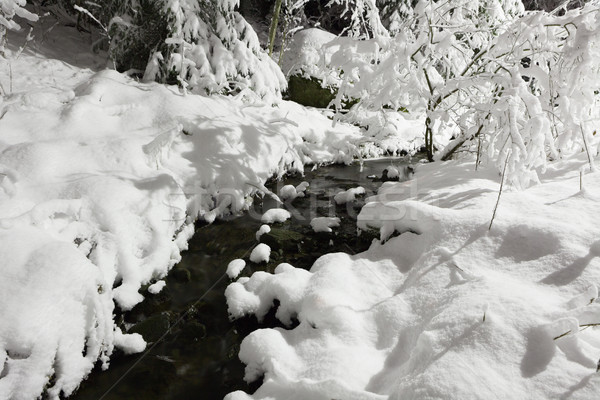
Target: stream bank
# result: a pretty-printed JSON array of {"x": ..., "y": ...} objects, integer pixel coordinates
[{"x": 197, "y": 357}]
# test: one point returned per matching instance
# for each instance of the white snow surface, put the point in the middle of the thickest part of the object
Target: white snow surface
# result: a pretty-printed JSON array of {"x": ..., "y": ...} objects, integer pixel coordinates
[
  {"x": 260, "y": 253},
  {"x": 235, "y": 267},
  {"x": 101, "y": 178},
  {"x": 275, "y": 215},
  {"x": 448, "y": 309},
  {"x": 324, "y": 224}
]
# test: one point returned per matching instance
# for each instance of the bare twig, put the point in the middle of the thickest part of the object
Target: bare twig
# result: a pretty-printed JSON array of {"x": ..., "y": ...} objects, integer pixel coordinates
[{"x": 500, "y": 192}]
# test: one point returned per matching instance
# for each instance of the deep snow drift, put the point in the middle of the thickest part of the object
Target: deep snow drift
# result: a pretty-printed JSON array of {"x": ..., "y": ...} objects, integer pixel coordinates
[
  {"x": 101, "y": 178},
  {"x": 445, "y": 308}
]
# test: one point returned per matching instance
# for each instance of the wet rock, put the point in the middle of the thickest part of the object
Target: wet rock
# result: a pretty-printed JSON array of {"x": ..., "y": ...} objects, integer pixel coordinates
[
  {"x": 192, "y": 331},
  {"x": 282, "y": 239},
  {"x": 157, "y": 372},
  {"x": 181, "y": 275},
  {"x": 155, "y": 327}
]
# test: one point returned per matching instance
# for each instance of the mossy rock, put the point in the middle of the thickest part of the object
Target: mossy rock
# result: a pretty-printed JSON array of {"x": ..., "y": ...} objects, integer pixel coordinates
[
  {"x": 284, "y": 239},
  {"x": 309, "y": 92},
  {"x": 154, "y": 327}
]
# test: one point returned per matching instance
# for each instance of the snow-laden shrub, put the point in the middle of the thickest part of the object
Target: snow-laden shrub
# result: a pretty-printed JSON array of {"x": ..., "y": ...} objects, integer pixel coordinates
[
  {"x": 211, "y": 48},
  {"x": 543, "y": 96},
  {"x": 519, "y": 89},
  {"x": 8, "y": 10}
]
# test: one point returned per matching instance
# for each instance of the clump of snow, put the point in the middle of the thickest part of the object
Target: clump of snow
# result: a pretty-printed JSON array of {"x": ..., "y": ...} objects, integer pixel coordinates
[
  {"x": 324, "y": 224},
  {"x": 392, "y": 172},
  {"x": 236, "y": 266},
  {"x": 289, "y": 192},
  {"x": 349, "y": 195},
  {"x": 304, "y": 52},
  {"x": 157, "y": 287},
  {"x": 447, "y": 309},
  {"x": 275, "y": 215},
  {"x": 262, "y": 230},
  {"x": 130, "y": 343},
  {"x": 255, "y": 295},
  {"x": 260, "y": 253}
]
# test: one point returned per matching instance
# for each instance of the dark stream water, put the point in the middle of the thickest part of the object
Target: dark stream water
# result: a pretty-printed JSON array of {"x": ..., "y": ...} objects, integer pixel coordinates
[{"x": 197, "y": 356}]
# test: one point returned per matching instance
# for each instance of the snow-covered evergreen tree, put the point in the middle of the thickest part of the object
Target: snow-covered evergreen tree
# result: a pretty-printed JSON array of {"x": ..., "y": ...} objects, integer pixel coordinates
[{"x": 211, "y": 48}]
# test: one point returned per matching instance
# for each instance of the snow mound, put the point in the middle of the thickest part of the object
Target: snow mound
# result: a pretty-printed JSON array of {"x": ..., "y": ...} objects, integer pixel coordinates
[
  {"x": 260, "y": 253},
  {"x": 349, "y": 195},
  {"x": 275, "y": 215},
  {"x": 324, "y": 224},
  {"x": 448, "y": 309},
  {"x": 235, "y": 267}
]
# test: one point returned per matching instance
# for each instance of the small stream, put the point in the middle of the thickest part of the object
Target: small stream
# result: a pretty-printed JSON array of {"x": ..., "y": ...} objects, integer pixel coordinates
[{"x": 197, "y": 357}]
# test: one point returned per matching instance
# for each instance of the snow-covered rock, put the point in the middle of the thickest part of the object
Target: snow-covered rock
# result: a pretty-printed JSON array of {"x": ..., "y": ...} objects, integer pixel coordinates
[
  {"x": 324, "y": 224},
  {"x": 262, "y": 230},
  {"x": 349, "y": 195},
  {"x": 275, "y": 215},
  {"x": 260, "y": 253},
  {"x": 157, "y": 287},
  {"x": 235, "y": 267}
]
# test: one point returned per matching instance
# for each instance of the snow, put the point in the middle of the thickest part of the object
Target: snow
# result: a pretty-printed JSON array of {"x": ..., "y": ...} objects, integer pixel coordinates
[
  {"x": 275, "y": 215},
  {"x": 445, "y": 308},
  {"x": 324, "y": 224},
  {"x": 392, "y": 172},
  {"x": 102, "y": 179},
  {"x": 260, "y": 254},
  {"x": 235, "y": 267},
  {"x": 131, "y": 343},
  {"x": 349, "y": 195},
  {"x": 262, "y": 230},
  {"x": 290, "y": 192},
  {"x": 157, "y": 287}
]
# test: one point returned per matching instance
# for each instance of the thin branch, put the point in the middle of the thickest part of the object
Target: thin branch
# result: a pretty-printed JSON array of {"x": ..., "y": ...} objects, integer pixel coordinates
[{"x": 500, "y": 192}]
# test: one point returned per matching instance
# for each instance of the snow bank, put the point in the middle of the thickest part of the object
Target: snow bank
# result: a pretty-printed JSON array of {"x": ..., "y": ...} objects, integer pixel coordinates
[
  {"x": 448, "y": 309},
  {"x": 100, "y": 179}
]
